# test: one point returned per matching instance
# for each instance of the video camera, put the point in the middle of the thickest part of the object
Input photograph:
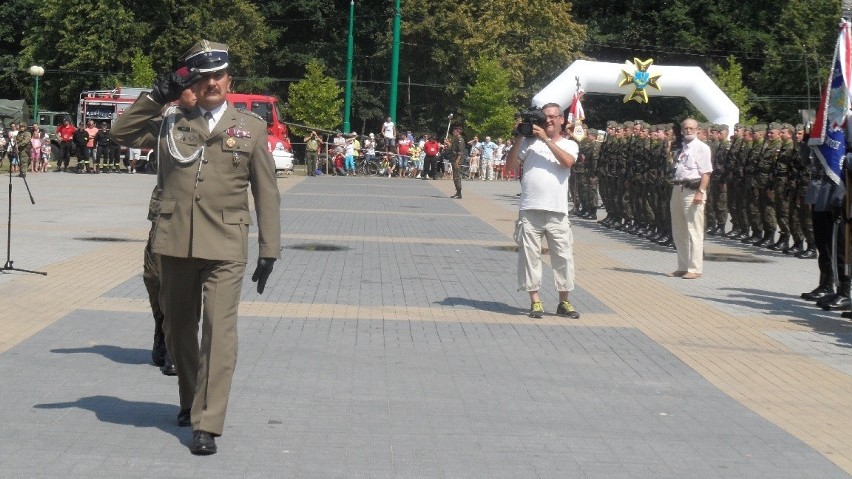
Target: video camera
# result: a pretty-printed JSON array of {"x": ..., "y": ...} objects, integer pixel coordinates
[{"x": 530, "y": 117}]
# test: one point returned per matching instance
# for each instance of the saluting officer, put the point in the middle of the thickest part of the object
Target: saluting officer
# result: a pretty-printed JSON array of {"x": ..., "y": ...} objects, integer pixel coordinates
[{"x": 210, "y": 156}]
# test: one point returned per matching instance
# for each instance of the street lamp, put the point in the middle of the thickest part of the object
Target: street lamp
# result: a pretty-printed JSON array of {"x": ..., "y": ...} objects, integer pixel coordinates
[{"x": 36, "y": 71}]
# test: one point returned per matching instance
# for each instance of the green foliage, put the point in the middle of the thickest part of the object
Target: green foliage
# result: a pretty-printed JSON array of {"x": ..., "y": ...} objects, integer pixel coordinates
[
  {"x": 730, "y": 81},
  {"x": 142, "y": 73},
  {"x": 316, "y": 100},
  {"x": 783, "y": 49},
  {"x": 486, "y": 106}
]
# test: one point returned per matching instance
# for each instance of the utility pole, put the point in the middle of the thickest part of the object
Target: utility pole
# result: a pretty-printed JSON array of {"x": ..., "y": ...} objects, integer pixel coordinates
[
  {"x": 350, "y": 51},
  {"x": 394, "y": 61}
]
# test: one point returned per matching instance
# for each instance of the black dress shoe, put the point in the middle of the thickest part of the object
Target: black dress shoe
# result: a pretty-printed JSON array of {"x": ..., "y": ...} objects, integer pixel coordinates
[
  {"x": 158, "y": 351},
  {"x": 185, "y": 418},
  {"x": 168, "y": 368},
  {"x": 203, "y": 443}
]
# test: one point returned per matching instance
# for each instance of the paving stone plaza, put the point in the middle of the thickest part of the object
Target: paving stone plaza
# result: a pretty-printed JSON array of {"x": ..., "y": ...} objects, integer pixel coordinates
[{"x": 391, "y": 342}]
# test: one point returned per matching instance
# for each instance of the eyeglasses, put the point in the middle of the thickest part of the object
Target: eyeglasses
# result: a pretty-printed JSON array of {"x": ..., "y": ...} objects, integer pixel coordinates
[{"x": 553, "y": 117}]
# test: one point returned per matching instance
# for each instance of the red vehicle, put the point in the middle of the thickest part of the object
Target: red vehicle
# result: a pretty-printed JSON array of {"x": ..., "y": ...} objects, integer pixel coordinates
[{"x": 108, "y": 105}]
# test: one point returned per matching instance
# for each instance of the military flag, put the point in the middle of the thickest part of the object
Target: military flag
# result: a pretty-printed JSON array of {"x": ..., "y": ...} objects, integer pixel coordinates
[{"x": 828, "y": 134}]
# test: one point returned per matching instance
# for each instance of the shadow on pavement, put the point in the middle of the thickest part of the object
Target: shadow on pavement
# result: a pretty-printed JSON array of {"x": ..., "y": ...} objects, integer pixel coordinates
[
  {"x": 128, "y": 413},
  {"x": 113, "y": 353},
  {"x": 804, "y": 313},
  {"x": 490, "y": 306}
]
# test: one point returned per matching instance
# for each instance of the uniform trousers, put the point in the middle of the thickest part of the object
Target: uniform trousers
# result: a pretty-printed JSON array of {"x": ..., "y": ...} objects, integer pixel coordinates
[
  {"x": 205, "y": 371},
  {"x": 531, "y": 227},
  {"x": 687, "y": 229}
]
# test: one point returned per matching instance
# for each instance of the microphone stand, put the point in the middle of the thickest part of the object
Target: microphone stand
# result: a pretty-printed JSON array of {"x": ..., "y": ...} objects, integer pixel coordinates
[{"x": 9, "y": 263}]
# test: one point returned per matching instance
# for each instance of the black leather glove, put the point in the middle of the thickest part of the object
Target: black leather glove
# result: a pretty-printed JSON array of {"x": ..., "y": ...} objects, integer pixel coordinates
[
  {"x": 169, "y": 88},
  {"x": 262, "y": 272}
]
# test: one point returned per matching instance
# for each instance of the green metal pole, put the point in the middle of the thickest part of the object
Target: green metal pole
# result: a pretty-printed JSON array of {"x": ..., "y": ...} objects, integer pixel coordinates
[
  {"x": 350, "y": 48},
  {"x": 35, "y": 102},
  {"x": 394, "y": 61}
]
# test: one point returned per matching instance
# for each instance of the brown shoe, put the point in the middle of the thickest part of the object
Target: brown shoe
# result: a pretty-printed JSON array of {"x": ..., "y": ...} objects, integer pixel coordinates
[
  {"x": 691, "y": 276},
  {"x": 676, "y": 274}
]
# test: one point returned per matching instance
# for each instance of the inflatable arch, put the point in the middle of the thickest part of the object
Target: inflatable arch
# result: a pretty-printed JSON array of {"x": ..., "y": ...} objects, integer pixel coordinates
[{"x": 687, "y": 82}]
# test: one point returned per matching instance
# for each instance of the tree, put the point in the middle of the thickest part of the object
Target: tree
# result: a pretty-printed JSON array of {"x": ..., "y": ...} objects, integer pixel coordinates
[
  {"x": 486, "y": 106},
  {"x": 730, "y": 81},
  {"x": 141, "y": 73},
  {"x": 534, "y": 40},
  {"x": 316, "y": 100}
]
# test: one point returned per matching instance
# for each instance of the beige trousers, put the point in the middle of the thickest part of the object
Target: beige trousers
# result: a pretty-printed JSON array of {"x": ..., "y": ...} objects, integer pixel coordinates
[
  {"x": 687, "y": 229},
  {"x": 531, "y": 227}
]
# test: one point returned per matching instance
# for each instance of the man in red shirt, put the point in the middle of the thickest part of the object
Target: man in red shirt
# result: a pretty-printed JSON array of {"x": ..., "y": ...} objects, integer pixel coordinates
[
  {"x": 432, "y": 148},
  {"x": 403, "y": 144},
  {"x": 65, "y": 132}
]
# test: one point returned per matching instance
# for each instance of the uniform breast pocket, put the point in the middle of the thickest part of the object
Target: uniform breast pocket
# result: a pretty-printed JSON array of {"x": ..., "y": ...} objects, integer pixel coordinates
[
  {"x": 187, "y": 142},
  {"x": 234, "y": 155}
]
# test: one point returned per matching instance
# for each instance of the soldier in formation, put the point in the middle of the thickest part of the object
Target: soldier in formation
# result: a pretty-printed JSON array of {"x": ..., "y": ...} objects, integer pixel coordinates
[{"x": 758, "y": 183}]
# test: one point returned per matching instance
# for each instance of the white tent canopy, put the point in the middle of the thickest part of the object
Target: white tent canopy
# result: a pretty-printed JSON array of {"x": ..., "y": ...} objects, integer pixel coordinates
[{"x": 687, "y": 82}]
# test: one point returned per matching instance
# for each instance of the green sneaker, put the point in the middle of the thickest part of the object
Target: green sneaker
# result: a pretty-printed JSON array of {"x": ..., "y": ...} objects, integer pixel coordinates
[
  {"x": 566, "y": 309},
  {"x": 537, "y": 310}
]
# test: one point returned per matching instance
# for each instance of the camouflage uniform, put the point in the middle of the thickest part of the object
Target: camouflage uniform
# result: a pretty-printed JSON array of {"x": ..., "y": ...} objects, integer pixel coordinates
[
  {"x": 766, "y": 165},
  {"x": 781, "y": 186}
]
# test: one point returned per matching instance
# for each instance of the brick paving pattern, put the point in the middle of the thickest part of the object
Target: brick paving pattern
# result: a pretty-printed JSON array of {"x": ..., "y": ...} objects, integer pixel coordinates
[{"x": 407, "y": 351}]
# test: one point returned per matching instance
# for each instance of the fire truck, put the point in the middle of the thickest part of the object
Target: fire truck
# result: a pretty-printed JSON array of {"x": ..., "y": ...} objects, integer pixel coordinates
[{"x": 108, "y": 105}]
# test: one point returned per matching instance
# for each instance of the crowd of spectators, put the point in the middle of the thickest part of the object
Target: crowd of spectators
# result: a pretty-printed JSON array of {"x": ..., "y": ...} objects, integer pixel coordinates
[
  {"x": 402, "y": 155},
  {"x": 90, "y": 145}
]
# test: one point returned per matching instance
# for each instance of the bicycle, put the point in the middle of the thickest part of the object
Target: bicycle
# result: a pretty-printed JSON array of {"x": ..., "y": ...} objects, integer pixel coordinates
[{"x": 366, "y": 167}]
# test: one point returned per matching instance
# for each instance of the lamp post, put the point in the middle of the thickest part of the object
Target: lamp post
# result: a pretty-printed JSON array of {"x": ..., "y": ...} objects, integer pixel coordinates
[{"x": 37, "y": 72}]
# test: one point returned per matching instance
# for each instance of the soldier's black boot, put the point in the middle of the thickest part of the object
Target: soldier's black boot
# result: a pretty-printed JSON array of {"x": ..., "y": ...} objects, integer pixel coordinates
[
  {"x": 760, "y": 238},
  {"x": 755, "y": 235},
  {"x": 809, "y": 253},
  {"x": 795, "y": 249},
  {"x": 768, "y": 236},
  {"x": 743, "y": 234},
  {"x": 824, "y": 289},
  {"x": 841, "y": 299},
  {"x": 592, "y": 214},
  {"x": 733, "y": 233},
  {"x": 158, "y": 351},
  {"x": 710, "y": 230},
  {"x": 168, "y": 368},
  {"x": 782, "y": 243},
  {"x": 720, "y": 231}
]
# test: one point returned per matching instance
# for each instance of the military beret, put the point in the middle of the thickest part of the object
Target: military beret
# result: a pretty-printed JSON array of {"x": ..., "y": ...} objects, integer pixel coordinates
[
  {"x": 628, "y": 124},
  {"x": 787, "y": 126},
  {"x": 800, "y": 127},
  {"x": 611, "y": 124},
  {"x": 669, "y": 126},
  {"x": 723, "y": 127},
  {"x": 653, "y": 128},
  {"x": 714, "y": 127},
  {"x": 774, "y": 126},
  {"x": 206, "y": 56},
  {"x": 592, "y": 132},
  {"x": 759, "y": 127},
  {"x": 619, "y": 126}
]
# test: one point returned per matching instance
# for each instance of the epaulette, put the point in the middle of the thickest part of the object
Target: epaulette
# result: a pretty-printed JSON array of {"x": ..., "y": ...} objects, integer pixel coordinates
[{"x": 251, "y": 113}]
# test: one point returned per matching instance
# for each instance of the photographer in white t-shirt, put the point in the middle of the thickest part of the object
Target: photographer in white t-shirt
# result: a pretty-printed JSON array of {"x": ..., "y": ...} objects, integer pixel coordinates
[{"x": 548, "y": 158}]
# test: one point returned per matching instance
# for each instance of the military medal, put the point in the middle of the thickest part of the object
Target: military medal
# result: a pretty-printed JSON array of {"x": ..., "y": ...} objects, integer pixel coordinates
[
  {"x": 230, "y": 143},
  {"x": 236, "y": 160}
]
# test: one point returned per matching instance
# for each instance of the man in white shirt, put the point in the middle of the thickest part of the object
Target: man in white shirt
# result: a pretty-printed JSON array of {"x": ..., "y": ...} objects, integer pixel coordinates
[
  {"x": 389, "y": 132},
  {"x": 689, "y": 193},
  {"x": 548, "y": 158}
]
